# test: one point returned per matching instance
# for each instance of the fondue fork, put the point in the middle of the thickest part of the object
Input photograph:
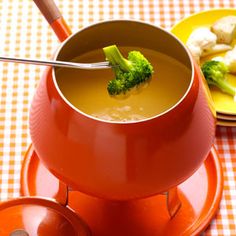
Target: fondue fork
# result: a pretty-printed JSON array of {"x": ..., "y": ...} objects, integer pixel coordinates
[{"x": 76, "y": 65}]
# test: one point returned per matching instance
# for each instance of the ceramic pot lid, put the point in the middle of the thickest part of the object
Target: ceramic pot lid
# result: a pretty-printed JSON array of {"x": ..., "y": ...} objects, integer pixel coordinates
[{"x": 31, "y": 216}]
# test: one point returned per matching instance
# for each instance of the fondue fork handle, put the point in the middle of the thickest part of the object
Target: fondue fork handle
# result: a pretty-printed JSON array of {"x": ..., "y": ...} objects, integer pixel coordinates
[
  {"x": 85, "y": 66},
  {"x": 52, "y": 14}
]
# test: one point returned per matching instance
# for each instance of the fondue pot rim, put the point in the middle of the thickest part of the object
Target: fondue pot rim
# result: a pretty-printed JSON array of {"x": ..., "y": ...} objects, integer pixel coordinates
[{"x": 123, "y": 21}]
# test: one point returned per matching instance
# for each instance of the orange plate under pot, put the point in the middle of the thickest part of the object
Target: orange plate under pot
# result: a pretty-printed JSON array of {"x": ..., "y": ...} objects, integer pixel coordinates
[{"x": 199, "y": 195}]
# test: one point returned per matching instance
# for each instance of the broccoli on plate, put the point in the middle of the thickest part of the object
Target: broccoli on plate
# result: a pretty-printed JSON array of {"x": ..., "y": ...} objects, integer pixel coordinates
[{"x": 214, "y": 73}]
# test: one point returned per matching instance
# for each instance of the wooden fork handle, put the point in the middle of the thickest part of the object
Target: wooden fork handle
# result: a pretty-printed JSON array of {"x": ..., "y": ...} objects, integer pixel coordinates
[
  {"x": 52, "y": 14},
  {"x": 49, "y": 9}
]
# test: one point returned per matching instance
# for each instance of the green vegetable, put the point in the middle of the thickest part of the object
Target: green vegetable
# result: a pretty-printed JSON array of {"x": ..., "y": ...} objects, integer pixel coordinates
[
  {"x": 129, "y": 73},
  {"x": 214, "y": 73}
]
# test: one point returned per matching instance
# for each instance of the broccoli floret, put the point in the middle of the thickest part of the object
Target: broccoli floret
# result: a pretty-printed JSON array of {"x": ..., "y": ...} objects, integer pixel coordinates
[
  {"x": 129, "y": 73},
  {"x": 214, "y": 73}
]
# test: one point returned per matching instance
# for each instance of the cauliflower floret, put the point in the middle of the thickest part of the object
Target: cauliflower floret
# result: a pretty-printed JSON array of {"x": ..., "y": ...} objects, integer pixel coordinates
[
  {"x": 230, "y": 60},
  {"x": 225, "y": 29},
  {"x": 202, "y": 42},
  {"x": 216, "y": 49},
  {"x": 200, "y": 39},
  {"x": 219, "y": 58}
]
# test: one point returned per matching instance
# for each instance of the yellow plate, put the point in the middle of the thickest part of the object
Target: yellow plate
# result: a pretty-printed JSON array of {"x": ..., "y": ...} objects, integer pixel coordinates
[
  {"x": 226, "y": 117},
  {"x": 223, "y": 103},
  {"x": 226, "y": 123}
]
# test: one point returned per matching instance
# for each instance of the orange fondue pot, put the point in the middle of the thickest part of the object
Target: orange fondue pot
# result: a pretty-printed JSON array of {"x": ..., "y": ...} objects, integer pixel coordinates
[{"x": 115, "y": 160}]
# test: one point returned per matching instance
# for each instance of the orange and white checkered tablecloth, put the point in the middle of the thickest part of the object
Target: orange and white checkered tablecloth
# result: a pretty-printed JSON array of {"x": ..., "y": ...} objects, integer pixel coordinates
[{"x": 25, "y": 33}]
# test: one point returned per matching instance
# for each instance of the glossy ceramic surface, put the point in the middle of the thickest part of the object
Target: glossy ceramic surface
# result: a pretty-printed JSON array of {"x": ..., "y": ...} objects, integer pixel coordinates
[
  {"x": 199, "y": 195},
  {"x": 122, "y": 160},
  {"x": 30, "y": 216},
  {"x": 223, "y": 102},
  {"x": 31, "y": 169}
]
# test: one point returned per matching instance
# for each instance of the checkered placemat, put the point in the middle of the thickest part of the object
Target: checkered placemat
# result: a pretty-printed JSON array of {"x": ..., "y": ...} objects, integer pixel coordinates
[{"x": 24, "y": 32}]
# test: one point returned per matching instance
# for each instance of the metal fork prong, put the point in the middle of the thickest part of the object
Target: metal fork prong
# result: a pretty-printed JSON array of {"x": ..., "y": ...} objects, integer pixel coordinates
[
  {"x": 106, "y": 64},
  {"x": 102, "y": 63}
]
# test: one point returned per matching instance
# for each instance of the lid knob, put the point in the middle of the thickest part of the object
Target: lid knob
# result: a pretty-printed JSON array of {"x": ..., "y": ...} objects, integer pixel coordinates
[{"x": 19, "y": 232}]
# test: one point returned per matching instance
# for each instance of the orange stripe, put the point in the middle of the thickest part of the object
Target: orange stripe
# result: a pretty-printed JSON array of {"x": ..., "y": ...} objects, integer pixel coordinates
[{"x": 61, "y": 28}]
